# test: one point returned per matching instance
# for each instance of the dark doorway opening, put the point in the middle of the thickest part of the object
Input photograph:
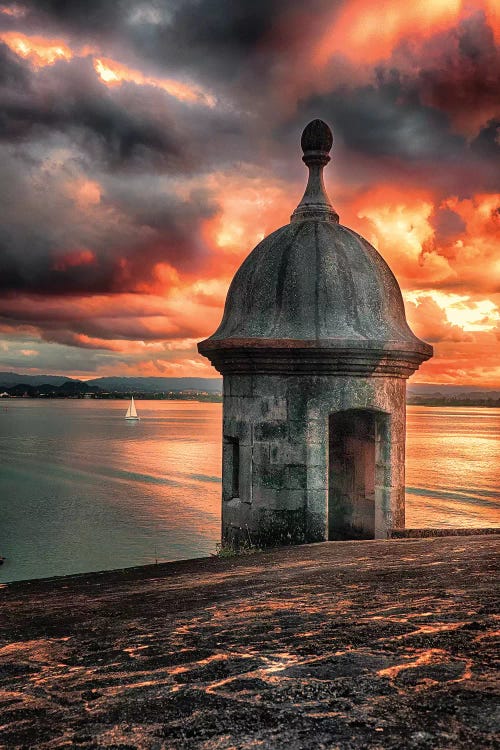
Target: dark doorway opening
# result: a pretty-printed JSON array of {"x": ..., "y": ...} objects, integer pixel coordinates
[{"x": 354, "y": 473}]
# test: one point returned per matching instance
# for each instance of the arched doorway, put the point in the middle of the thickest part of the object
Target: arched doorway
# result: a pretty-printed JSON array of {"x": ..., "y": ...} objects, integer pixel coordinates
[{"x": 358, "y": 449}]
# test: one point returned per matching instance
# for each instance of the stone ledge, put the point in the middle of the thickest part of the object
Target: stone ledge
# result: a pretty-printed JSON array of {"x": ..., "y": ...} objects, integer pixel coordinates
[{"x": 439, "y": 532}]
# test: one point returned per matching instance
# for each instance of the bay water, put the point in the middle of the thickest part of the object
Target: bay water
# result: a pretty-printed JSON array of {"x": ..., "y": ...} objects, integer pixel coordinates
[{"x": 81, "y": 489}]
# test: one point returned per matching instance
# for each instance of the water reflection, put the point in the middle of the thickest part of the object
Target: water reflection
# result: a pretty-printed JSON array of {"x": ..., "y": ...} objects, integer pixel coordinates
[
  {"x": 452, "y": 456},
  {"x": 82, "y": 489}
]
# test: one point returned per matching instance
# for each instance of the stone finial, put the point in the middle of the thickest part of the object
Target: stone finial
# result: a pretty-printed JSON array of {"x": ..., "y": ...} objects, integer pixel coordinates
[{"x": 316, "y": 142}]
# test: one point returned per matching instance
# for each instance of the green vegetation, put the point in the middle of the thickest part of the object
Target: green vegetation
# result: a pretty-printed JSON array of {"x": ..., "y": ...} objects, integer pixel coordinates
[{"x": 232, "y": 549}]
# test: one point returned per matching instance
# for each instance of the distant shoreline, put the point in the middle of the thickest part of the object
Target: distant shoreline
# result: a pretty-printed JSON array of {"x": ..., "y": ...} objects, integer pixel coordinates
[
  {"x": 207, "y": 389},
  {"x": 487, "y": 403},
  {"x": 207, "y": 397},
  {"x": 217, "y": 398}
]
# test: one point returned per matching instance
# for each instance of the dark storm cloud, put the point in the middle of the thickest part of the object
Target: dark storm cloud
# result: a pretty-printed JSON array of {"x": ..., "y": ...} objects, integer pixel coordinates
[
  {"x": 127, "y": 136},
  {"x": 466, "y": 76},
  {"x": 221, "y": 42},
  {"x": 172, "y": 227},
  {"x": 38, "y": 272},
  {"x": 120, "y": 127},
  {"x": 418, "y": 114},
  {"x": 447, "y": 225},
  {"x": 13, "y": 74},
  {"x": 243, "y": 49},
  {"x": 65, "y": 249},
  {"x": 144, "y": 202},
  {"x": 487, "y": 141},
  {"x": 138, "y": 223},
  {"x": 81, "y": 16},
  {"x": 129, "y": 126},
  {"x": 90, "y": 15},
  {"x": 376, "y": 121},
  {"x": 123, "y": 136}
]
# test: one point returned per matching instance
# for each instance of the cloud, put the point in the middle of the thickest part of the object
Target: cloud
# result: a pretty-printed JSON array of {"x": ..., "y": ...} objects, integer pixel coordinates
[
  {"x": 368, "y": 32},
  {"x": 114, "y": 125},
  {"x": 373, "y": 119},
  {"x": 146, "y": 147},
  {"x": 447, "y": 224},
  {"x": 487, "y": 141},
  {"x": 104, "y": 237},
  {"x": 430, "y": 322},
  {"x": 462, "y": 74}
]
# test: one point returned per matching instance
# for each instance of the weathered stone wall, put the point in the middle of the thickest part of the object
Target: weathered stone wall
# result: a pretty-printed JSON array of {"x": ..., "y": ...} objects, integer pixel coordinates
[{"x": 280, "y": 427}]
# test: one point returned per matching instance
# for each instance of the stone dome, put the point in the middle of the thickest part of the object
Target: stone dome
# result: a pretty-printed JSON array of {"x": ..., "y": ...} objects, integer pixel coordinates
[{"x": 315, "y": 284}]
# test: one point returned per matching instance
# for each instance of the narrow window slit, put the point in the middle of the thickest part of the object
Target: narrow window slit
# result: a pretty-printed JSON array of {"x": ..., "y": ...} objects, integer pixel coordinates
[{"x": 233, "y": 454}]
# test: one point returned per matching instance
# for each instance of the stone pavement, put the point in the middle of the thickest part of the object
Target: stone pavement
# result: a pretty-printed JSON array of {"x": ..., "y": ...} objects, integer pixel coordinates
[{"x": 374, "y": 645}]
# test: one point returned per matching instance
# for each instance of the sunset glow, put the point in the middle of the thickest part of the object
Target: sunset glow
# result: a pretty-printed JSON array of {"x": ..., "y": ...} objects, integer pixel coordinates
[
  {"x": 37, "y": 50},
  {"x": 373, "y": 30},
  {"x": 144, "y": 157},
  {"x": 111, "y": 72},
  {"x": 460, "y": 310}
]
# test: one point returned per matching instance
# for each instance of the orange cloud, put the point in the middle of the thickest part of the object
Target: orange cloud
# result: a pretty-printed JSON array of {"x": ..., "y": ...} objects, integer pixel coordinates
[
  {"x": 181, "y": 313},
  {"x": 465, "y": 352},
  {"x": 86, "y": 192},
  {"x": 251, "y": 205},
  {"x": 474, "y": 253},
  {"x": 42, "y": 52},
  {"x": 113, "y": 73},
  {"x": 366, "y": 32},
  {"x": 187, "y": 366},
  {"x": 401, "y": 224},
  {"x": 16, "y": 11},
  {"x": 458, "y": 312},
  {"x": 492, "y": 11},
  {"x": 398, "y": 224},
  {"x": 74, "y": 259},
  {"x": 38, "y": 50},
  {"x": 474, "y": 362}
]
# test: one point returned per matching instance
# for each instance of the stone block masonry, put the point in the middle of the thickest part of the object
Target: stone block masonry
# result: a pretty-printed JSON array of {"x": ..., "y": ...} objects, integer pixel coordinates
[{"x": 283, "y": 490}]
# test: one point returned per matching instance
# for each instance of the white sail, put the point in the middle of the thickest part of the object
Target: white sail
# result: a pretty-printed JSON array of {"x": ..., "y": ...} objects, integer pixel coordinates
[{"x": 131, "y": 411}]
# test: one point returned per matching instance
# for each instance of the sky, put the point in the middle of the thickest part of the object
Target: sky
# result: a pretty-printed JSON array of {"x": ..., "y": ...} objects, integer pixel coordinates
[{"x": 147, "y": 147}]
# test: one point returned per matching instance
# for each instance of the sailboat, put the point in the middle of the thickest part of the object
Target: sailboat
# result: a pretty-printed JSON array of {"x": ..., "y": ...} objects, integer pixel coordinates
[{"x": 132, "y": 411}]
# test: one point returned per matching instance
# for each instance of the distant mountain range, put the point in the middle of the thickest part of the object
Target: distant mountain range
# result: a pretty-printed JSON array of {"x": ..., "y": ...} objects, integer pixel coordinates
[
  {"x": 68, "y": 389},
  {"x": 8, "y": 379},
  {"x": 120, "y": 385},
  {"x": 154, "y": 385},
  {"x": 12, "y": 381}
]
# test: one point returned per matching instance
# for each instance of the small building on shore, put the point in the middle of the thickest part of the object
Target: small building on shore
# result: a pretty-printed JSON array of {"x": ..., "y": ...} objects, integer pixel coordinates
[{"x": 315, "y": 351}]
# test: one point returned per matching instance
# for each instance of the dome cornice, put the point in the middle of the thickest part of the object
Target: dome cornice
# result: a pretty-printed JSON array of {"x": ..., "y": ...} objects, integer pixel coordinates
[{"x": 295, "y": 357}]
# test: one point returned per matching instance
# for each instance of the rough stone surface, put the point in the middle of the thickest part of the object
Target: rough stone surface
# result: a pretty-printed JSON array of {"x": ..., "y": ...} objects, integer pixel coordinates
[
  {"x": 339, "y": 646},
  {"x": 316, "y": 281},
  {"x": 280, "y": 426}
]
